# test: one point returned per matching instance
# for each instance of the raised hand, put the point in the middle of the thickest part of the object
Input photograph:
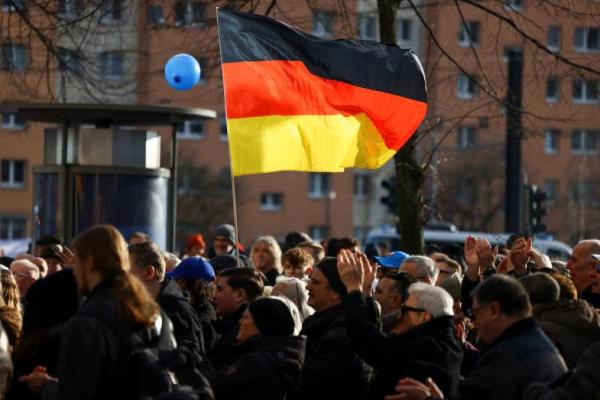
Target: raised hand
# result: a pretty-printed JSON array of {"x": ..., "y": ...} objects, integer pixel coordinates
[
  {"x": 485, "y": 253},
  {"x": 350, "y": 270},
  {"x": 369, "y": 273},
  {"x": 67, "y": 258},
  {"x": 471, "y": 257},
  {"x": 519, "y": 255}
]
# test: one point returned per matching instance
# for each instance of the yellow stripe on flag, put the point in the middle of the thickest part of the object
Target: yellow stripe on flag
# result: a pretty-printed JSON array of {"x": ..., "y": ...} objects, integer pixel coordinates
[{"x": 317, "y": 143}]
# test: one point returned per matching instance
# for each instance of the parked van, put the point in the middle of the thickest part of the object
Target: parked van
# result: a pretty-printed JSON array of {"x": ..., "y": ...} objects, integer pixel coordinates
[{"x": 452, "y": 243}]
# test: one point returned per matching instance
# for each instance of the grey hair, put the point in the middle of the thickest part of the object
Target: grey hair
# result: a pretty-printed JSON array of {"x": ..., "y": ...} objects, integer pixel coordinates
[
  {"x": 273, "y": 246},
  {"x": 295, "y": 290},
  {"x": 433, "y": 299},
  {"x": 425, "y": 266}
]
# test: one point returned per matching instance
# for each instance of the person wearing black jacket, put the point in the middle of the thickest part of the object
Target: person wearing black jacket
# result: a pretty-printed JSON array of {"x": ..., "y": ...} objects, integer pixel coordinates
[
  {"x": 148, "y": 265},
  {"x": 91, "y": 349},
  {"x": 420, "y": 342},
  {"x": 236, "y": 287},
  {"x": 269, "y": 356},
  {"x": 518, "y": 354},
  {"x": 332, "y": 370}
]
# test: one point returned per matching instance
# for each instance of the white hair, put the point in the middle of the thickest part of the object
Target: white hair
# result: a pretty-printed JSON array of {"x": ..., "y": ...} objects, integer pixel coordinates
[
  {"x": 433, "y": 299},
  {"x": 425, "y": 266},
  {"x": 295, "y": 290},
  {"x": 273, "y": 247}
]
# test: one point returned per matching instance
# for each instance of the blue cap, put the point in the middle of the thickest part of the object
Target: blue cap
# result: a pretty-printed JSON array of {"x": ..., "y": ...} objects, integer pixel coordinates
[
  {"x": 193, "y": 268},
  {"x": 394, "y": 260}
]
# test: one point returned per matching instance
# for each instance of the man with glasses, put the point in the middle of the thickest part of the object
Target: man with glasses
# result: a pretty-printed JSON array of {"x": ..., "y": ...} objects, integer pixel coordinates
[
  {"x": 581, "y": 265},
  {"x": 421, "y": 268},
  {"x": 420, "y": 341},
  {"x": 518, "y": 355}
]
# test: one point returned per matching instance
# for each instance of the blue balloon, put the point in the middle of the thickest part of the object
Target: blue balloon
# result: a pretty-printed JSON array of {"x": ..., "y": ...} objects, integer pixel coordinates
[{"x": 182, "y": 72}]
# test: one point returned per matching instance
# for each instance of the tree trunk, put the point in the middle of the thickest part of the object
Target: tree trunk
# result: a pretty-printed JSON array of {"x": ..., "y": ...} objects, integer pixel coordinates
[{"x": 409, "y": 175}]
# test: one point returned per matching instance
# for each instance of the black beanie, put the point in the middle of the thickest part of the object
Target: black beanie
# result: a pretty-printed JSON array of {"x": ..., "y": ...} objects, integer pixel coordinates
[
  {"x": 328, "y": 266},
  {"x": 272, "y": 317}
]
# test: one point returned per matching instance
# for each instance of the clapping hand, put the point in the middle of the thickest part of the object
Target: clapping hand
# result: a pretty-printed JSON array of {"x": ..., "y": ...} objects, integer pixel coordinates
[{"x": 355, "y": 271}]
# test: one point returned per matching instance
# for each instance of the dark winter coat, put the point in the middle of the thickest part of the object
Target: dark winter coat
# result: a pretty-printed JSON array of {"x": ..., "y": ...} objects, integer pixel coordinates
[
  {"x": 223, "y": 353},
  {"x": 572, "y": 325},
  {"x": 267, "y": 368},
  {"x": 583, "y": 384},
  {"x": 521, "y": 355},
  {"x": 90, "y": 351},
  {"x": 332, "y": 370},
  {"x": 186, "y": 323},
  {"x": 208, "y": 316},
  {"x": 428, "y": 350}
]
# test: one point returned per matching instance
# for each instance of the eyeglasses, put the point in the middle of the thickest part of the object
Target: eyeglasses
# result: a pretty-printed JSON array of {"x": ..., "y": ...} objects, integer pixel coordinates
[{"x": 406, "y": 309}]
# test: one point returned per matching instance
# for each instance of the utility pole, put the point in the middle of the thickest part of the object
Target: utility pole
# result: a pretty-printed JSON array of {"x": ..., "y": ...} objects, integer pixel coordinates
[{"x": 514, "y": 135}]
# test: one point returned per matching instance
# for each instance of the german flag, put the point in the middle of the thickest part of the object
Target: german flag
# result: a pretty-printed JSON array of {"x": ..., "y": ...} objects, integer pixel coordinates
[{"x": 296, "y": 102}]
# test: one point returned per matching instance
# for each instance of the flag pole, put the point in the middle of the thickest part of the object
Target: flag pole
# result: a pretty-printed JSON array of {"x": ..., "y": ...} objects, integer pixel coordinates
[{"x": 233, "y": 192}]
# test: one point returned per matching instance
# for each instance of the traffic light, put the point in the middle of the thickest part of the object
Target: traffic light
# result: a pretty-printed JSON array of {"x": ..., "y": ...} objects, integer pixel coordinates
[
  {"x": 537, "y": 209},
  {"x": 389, "y": 199}
]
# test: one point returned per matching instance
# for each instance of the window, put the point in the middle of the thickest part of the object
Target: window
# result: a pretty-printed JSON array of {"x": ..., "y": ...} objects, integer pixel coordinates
[
  {"x": 12, "y": 174},
  {"x": 13, "y": 58},
  {"x": 466, "y": 137},
  {"x": 584, "y": 192},
  {"x": 367, "y": 27},
  {"x": 189, "y": 13},
  {"x": 361, "y": 185},
  {"x": 583, "y": 142},
  {"x": 111, "y": 11},
  {"x": 554, "y": 38},
  {"x": 156, "y": 15},
  {"x": 69, "y": 61},
  {"x": 550, "y": 186},
  {"x": 12, "y": 121},
  {"x": 318, "y": 185},
  {"x": 223, "y": 128},
  {"x": 585, "y": 91},
  {"x": 111, "y": 65},
  {"x": 551, "y": 137},
  {"x": 404, "y": 29},
  {"x": 69, "y": 9},
  {"x": 468, "y": 34},
  {"x": 318, "y": 232},
  {"x": 191, "y": 130},
  {"x": 12, "y": 5},
  {"x": 586, "y": 39},
  {"x": 465, "y": 87},
  {"x": 12, "y": 228},
  {"x": 513, "y": 5},
  {"x": 271, "y": 201},
  {"x": 552, "y": 89},
  {"x": 465, "y": 190},
  {"x": 322, "y": 23}
]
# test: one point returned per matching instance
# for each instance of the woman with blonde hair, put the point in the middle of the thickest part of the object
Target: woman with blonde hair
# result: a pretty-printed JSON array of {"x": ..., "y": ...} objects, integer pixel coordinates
[
  {"x": 10, "y": 306},
  {"x": 266, "y": 256},
  {"x": 117, "y": 311}
]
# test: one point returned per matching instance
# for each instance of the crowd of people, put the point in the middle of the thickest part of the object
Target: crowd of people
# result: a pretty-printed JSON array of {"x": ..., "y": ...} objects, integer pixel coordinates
[{"x": 106, "y": 318}]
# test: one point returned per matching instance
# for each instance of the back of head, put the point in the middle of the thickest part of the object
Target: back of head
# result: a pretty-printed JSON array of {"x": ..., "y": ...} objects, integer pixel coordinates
[
  {"x": 348, "y": 243},
  {"x": 293, "y": 289},
  {"x": 25, "y": 266},
  {"x": 425, "y": 267},
  {"x": 246, "y": 279},
  {"x": 314, "y": 249},
  {"x": 297, "y": 258},
  {"x": 11, "y": 297},
  {"x": 433, "y": 299},
  {"x": 568, "y": 291},
  {"x": 293, "y": 238},
  {"x": 106, "y": 248},
  {"x": 149, "y": 254},
  {"x": 541, "y": 288},
  {"x": 508, "y": 292},
  {"x": 272, "y": 316}
]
